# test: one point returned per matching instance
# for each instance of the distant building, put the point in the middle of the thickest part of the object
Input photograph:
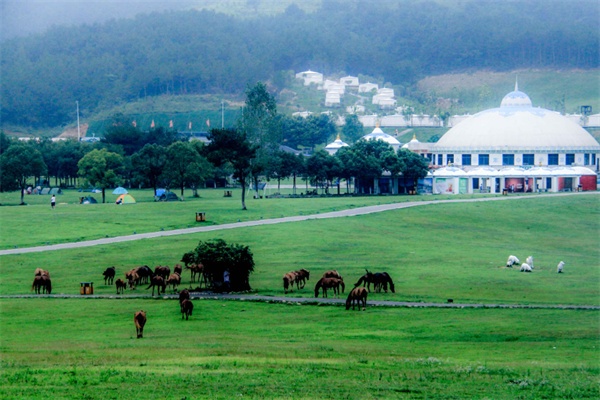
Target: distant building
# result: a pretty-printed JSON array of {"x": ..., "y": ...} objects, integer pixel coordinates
[
  {"x": 367, "y": 87},
  {"x": 310, "y": 77},
  {"x": 351, "y": 81}
]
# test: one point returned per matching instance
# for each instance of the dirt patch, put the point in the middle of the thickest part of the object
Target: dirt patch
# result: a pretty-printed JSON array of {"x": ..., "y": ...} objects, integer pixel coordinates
[{"x": 72, "y": 132}]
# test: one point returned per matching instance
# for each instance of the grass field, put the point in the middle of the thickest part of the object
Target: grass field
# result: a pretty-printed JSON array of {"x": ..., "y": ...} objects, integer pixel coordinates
[{"x": 86, "y": 348}]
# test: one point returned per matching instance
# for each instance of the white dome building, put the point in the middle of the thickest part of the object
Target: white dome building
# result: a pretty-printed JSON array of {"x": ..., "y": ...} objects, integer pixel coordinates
[
  {"x": 513, "y": 139},
  {"x": 334, "y": 146},
  {"x": 378, "y": 134},
  {"x": 516, "y": 134}
]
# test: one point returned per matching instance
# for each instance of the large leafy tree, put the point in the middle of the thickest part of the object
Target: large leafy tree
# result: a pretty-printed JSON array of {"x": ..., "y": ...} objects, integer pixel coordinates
[
  {"x": 322, "y": 168},
  {"x": 122, "y": 133},
  {"x": 285, "y": 165},
  {"x": 353, "y": 129},
  {"x": 231, "y": 146},
  {"x": 186, "y": 166},
  {"x": 218, "y": 258},
  {"x": 19, "y": 163},
  {"x": 101, "y": 168},
  {"x": 149, "y": 163}
]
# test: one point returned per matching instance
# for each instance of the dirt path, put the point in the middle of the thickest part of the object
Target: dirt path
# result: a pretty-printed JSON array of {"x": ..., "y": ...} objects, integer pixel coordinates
[
  {"x": 335, "y": 214},
  {"x": 307, "y": 301}
]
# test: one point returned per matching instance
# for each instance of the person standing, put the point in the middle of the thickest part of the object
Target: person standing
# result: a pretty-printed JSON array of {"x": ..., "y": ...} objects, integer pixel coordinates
[{"x": 53, "y": 201}]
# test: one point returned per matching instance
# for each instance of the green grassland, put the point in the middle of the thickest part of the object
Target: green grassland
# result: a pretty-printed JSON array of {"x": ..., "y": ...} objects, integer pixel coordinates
[{"x": 86, "y": 348}]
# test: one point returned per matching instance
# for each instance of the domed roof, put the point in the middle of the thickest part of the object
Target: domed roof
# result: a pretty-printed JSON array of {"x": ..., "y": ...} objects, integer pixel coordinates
[
  {"x": 336, "y": 144},
  {"x": 378, "y": 134},
  {"x": 414, "y": 143},
  {"x": 517, "y": 125}
]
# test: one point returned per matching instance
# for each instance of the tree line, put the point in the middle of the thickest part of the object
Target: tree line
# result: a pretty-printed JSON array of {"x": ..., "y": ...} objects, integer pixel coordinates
[
  {"x": 200, "y": 52},
  {"x": 248, "y": 154}
]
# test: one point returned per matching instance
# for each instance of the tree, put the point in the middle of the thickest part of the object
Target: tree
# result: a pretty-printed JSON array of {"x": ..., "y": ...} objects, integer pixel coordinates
[
  {"x": 322, "y": 168},
  {"x": 414, "y": 166},
  {"x": 149, "y": 163},
  {"x": 122, "y": 133},
  {"x": 19, "y": 163},
  {"x": 284, "y": 165},
  {"x": 186, "y": 166},
  {"x": 366, "y": 160},
  {"x": 101, "y": 168},
  {"x": 353, "y": 129},
  {"x": 218, "y": 257},
  {"x": 231, "y": 146}
]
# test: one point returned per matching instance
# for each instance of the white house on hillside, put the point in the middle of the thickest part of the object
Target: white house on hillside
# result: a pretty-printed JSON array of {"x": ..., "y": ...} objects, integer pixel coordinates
[
  {"x": 310, "y": 77},
  {"x": 367, "y": 87},
  {"x": 351, "y": 81}
]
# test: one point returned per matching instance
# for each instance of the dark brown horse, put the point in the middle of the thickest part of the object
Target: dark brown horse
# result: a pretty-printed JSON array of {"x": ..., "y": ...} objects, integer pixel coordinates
[
  {"x": 332, "y": 274},
  {"x": 183, "y": 295},
  {"x": 187, "y": 307},
  {"x": 42, "y": 284},
  {"x": 158, "y": 282},
  {"x": 109, "y": 275},
  {"x": 302, "y": 275},
  {"x": 163, "y": 271},
  {"x": 380, "y": 280},
  {"x": 121, "y": 285},
  {"x": 144, "y": 274},
  {"x": 329, "y": 283},
  {"x": 139, "y": 318},
  {"x": 288, "y": 281},
  {"x": 357, "y": 296}
]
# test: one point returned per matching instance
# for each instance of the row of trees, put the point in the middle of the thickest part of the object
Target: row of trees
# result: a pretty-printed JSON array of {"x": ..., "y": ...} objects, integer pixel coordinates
[
  {"x": 200, "y": 52},
  {"x": 248, "y": 153}
]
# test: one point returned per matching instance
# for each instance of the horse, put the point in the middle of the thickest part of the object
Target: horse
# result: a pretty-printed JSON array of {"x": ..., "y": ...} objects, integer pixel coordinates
[
  {"x": 158, "y": 282},
  {"x": 288, "y": 281},
  {"x": 302, "y": 275},
  {"x": 109, "y": 275},
  {"x": 195, "y": 269},
  {"x": 382, "y": 280},
  {"x": 164, "y": 272},
  {"x": 177, "y": 269},
  {"x": 121, "y": 285},
  {"x": 183, "y": 295},
  {"x": 357, "y": 296},
  {"x": 39, "y": 272},
  {"x": 187, "y": 307},
  {"x": 39, "y": 284},
  {"x": 329, "y": 283},
  {"x": 174, "y": 280},
  {"x": 139, "y": 318},
  {"x": 132, "y": 278},
  {"x": 144, "y": 273}
]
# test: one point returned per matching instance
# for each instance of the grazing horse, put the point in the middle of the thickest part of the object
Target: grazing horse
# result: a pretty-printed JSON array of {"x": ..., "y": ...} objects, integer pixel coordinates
[
  {"x": 329, "y": 283},
  {"x": 288, "y": 281},
  {"x": 164, "y": 272},
  {"x": 158, "y": 282},
  {"x": 183, "y": 295},
  {"x": 132, "y": 278},
  {"x": 302, "y": 275},
  {"x": 332, "y": 274},
  {"x": 139, "y": 318},
  {"x": 109, "y": 275},
  {"x": 144, "y": 274},
  {"x": 357, "y": 296},
  {"x": 174, "y": 280},
  {"x": 380, "y": 280},
  {"x": 186, "y": 308},
  {"x": 121, "y": 285}
]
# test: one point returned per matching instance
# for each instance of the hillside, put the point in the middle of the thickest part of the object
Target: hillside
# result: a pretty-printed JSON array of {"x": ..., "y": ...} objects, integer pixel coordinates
[{"x": 203, "y": 53}]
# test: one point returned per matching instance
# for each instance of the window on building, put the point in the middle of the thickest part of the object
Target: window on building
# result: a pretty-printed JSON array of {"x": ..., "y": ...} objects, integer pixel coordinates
[
  {"x": 586, "y": 159},
  {"x": 593, "y": 159},
  {"x": 570, "y": 159},
  {"x": 440, "y": 160},
  {"x": 528, "y": 159},
  {"x": 548, "y": 183},
  {"x": 484, "y": 159},
  {"x": 475, "y": 183},
  {"x": 450, "y": 159},
  {"x": 553, "y": 159},
  {"x": 508, "y": 159},
  {"x": 466, "y": 159}
]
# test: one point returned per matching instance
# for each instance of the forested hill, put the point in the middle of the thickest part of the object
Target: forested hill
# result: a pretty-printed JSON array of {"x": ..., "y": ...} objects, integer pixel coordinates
[{"x": 198, "y": 52}]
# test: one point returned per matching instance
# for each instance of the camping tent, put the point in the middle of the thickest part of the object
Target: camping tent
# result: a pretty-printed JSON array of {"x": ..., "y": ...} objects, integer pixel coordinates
[
  {"x": 125, "y": 199},
  {"x": 55, "y": 191},
  {"x": 168, "y": 196},
  {"x": 87, "y": 200}
]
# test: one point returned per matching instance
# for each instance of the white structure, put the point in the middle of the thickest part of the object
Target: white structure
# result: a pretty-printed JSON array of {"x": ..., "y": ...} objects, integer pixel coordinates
[
  {"x": 332, "y": 99},
  {"x": 334, "y": 146},
  {"x": 367, "y": 87},
  {"x": 516, "y": 135},
  {"x": 378, "y": 134},
  {"x": 351, "y": 81},
  {"x": 355, "y": 109},
  {"x": 310, "y": 77},
  {"x": 328, "y": 83},
  {"x": 303, "y": 114}
]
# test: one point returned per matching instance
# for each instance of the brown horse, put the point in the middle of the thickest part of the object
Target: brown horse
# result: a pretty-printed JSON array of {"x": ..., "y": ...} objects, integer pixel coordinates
[
  {"x": 163, "y": 271},
  {"x": 109, "y": 275},
  {"x": 158, "y": 282},
  {"x": 177, "y": 269},
  {"x": 139, "y": 318},
  {"x": 132, "y": 278},
  {"x": 329, "y": 283},
  {"x": 121, "y": 285},
  {"x": 174, "y": 280},
  {"x": 302, "y": 275},
  {"x": 40, "y": 272},
  {"x": 288, "y": 281},
  {"x": 42, "y": 284},
  {"x": 332, "y": 274},
  {"x": 186, "y": 308},
  {"x": 183, "y": 295},
  {"x": 357, "y": 296},
  {"x": 380, "y": 280},
  {"x": 144, "y": 274}
]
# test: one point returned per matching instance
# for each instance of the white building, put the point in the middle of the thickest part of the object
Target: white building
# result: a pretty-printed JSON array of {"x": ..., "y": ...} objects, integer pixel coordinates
[
  {"x": 310, "y": 77},
  {"x": 332, "y": 99},
  {"x": 367, "y": 87},
  {"x": 334, "y": 146},
  {"x": 351, "y": 81}
]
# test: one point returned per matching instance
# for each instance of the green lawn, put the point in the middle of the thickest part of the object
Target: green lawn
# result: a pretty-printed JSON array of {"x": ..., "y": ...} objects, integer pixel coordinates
[{"x": 86, "y": 348}]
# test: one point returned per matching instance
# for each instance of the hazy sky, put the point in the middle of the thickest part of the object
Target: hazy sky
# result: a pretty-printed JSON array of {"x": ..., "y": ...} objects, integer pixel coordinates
[{"x": 23, "y": 17}]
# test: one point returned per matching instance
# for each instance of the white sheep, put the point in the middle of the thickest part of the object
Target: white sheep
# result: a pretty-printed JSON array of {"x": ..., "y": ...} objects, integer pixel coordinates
[
  {"x": 512, "y": 260},
  {"x": 560, "y": 266},
  {"x": 529, "y": 261},
  {"x": 525, "y": 268}
]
